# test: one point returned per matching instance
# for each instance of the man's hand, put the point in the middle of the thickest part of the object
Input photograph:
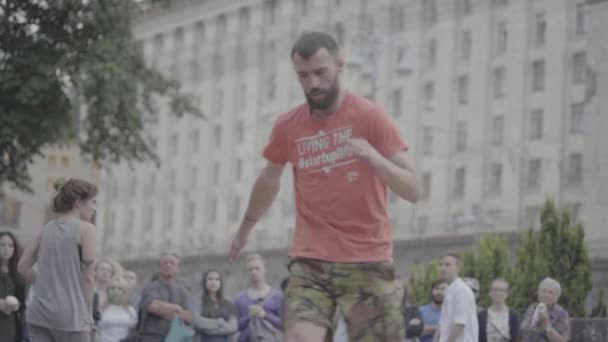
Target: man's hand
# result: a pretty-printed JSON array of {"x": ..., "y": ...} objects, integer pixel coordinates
[
  {"x": 239, "y": 241},
  {"x": 186, "y": 316},
  {"x": 363, "y": 150}
]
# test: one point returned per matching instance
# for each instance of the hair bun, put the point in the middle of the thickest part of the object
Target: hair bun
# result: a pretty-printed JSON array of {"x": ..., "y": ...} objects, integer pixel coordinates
[{"x": 59, "y": 183}]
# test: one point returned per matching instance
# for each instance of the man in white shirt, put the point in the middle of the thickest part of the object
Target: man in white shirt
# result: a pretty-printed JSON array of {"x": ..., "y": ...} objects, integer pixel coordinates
[{"x": 458, "y": 321}]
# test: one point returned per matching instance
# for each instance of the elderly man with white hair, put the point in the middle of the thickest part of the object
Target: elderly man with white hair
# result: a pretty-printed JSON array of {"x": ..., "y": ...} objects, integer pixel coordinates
[{"x": 546, "y": 320}]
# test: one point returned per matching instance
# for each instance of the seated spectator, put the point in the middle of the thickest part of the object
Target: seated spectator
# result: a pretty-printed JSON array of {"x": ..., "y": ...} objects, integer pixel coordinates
[{"x": 118, "y": 317}]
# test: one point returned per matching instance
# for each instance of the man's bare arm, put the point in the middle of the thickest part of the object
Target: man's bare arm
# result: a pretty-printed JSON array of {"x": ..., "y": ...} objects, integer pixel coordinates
[
  {"x": 398, "y": 174},
  {"x": 265, "y": 190}
]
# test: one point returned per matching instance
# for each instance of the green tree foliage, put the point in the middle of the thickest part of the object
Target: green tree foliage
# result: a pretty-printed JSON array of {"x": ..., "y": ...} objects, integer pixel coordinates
[
  {"x": 421, "y": 279},
  {"x": 57, "y": 57},
  {"x": 556, "y": 250}
]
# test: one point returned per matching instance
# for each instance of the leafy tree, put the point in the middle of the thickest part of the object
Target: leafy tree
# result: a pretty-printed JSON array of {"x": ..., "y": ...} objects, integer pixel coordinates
[
  {"x": 421, "y": 279},
  {"x": 60, "y": 57},
  {"x": 556, "y": 250}
]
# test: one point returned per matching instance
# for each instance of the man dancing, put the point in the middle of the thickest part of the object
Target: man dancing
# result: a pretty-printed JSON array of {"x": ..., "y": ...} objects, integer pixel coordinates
[{"x": 345, "y": 152}]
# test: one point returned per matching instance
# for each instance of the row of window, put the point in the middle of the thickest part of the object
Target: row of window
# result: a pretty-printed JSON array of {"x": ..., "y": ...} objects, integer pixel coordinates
[
  {"x": 534, "y": 177},
  {"x": 499, "y": 81}
]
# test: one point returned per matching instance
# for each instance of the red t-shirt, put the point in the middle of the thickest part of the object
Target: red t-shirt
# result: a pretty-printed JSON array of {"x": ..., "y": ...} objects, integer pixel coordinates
[{"x": 340, "y": 202}]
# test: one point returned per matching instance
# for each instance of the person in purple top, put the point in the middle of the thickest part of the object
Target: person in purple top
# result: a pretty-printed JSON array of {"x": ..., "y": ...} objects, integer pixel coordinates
[{"x": 259, "y": 301}]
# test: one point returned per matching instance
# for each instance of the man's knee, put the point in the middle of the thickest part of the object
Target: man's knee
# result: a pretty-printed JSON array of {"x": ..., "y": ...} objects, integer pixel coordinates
[{"x": 305, "y": 332}]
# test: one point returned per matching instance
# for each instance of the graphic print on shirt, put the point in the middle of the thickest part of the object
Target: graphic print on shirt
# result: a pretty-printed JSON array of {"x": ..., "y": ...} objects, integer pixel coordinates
[{"x": 325, "y": 151}]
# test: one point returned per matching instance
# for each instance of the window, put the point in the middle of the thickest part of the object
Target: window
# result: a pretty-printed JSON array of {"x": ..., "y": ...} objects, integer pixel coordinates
[
  {"x": 218, "y": 69},
  {"x": 536, "y": 124},
  {"x": 575, "y": 169},
  {"x": 270, "y": 11},
  {"x": 541, "y": 29},
  {"x": 495, "y": 178},
  {"x": 216, "y": 173},
  {"x": 498, "y": 128},
  {"x": 502, "y": 2},
  {"x": 148, "y": 219},
  {"x": 502, "y": 38},
  {"x": 459, "y": 182},
  {"x": 466, "y": 7},
  {"x": 579, "y": 68},
  {"x": 132, "y": 186},
  {"x": 172, "y": 180},
  {"x": 130, "y": 219},
  {"x": 427, "y": 140},
  {"x": 538, "y": 75},
  {"x": 303, "y": 4},
  {"x": 581, "y": 20},
  {"x": 577, "y": 121},
  {"x": 574, "y": 210},
  {"x": 426, "y": 186},
  {"x": 432, "y": 51},
  {"x": 239, "y": 131},
  {"x": 461, "y": 136},
  {"x": 244, "y": 19},
  {"x": 151, "y": 185},
  {"x": 398, "y": 18},
  {"x": 221, "y": 25},
  {"x": 238, "y": 170},
  {"x": 10, "y": 210},
  {"x": 217, "y": 135},
  {"x": 212, "y": 209},
  {"x": 158, "y": 45},
  {"x": 196, "y": 140},
  {"x": 193, "y": 177},
  {"x": 52, "y": 161},
  {"x": 236, "y": 208},
  {"x": 429, "y": 8},
  {"x": 199, "y": 31},
  {"x": 169, "y": 218},
  {"x": 397, "y": 103},
  {"x": 339, "y": 33},
  {"x": 534, "y": 169},
  {"x": 429, "y": 92},
  {"x": 173, "y": 145},
  {"x": 242, "y": 100},
  {"x": 178, "y": 40},
  {"x": 463, "y": 89},
  {"x": 467, "y": 46},
  {"x": 195, "y": 71},
  {"x": 499, "y": 83},
  {"x": 532, "y": 215},
  {"x": 189, "y": 215}
]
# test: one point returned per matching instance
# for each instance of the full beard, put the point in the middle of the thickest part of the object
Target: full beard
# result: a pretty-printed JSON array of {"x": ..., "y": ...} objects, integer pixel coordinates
[{"x": 331, "y": 96}]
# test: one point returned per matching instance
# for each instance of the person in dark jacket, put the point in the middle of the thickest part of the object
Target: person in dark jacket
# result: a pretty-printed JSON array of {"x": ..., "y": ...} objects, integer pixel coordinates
[
  {"x": 12, "y": 289},
  {"x": 498, "y": 323}
]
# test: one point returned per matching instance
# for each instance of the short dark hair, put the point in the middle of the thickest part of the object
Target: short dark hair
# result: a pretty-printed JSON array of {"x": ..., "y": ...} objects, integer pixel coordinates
[
  {"x": 451, "y": 254},
  {"x": 310, "y": 42},
  {"x": 437, "y": 283}
]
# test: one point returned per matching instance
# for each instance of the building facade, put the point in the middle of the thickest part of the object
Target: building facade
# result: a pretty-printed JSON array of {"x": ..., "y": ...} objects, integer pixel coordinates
[
  {"x": 490, "y": 95},
  {"x": 25, "y": 213}
]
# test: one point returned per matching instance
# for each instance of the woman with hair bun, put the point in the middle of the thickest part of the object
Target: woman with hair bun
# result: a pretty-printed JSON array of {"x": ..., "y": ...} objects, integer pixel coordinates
[{"x": 64, "y": 251}]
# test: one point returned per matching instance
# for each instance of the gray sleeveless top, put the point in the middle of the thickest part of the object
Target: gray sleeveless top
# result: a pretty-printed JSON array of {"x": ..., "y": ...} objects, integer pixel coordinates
[{"x": 59, "y": 300}]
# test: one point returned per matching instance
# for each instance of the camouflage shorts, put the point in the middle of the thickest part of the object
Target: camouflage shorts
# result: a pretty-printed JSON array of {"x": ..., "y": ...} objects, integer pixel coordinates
[{"x": 365, "y": 293}]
